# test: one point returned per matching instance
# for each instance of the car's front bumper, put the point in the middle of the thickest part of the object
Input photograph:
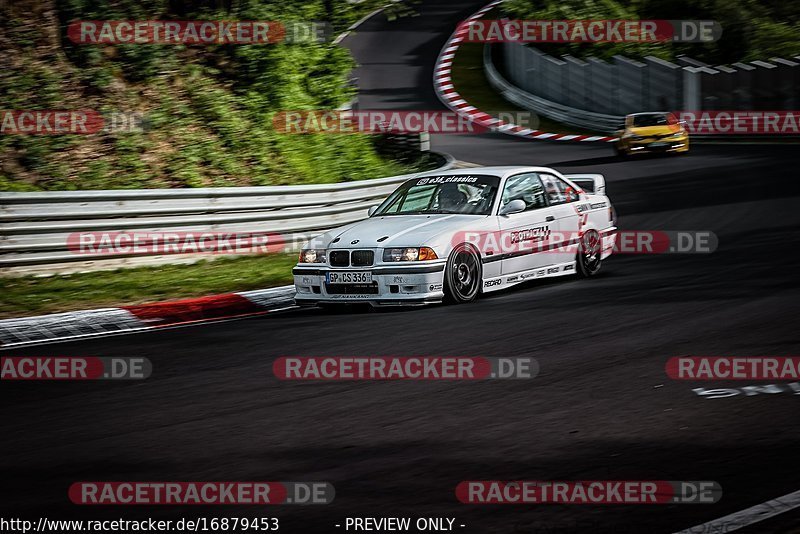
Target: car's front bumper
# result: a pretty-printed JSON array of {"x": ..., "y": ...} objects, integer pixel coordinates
[
  {"x": 655, "y": 146},
  {"x": 394, "y": 285}
]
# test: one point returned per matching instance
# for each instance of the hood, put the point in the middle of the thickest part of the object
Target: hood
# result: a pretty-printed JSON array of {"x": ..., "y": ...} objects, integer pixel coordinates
[
  {"x": 647, "y": 131},
  {"x": 399, "y": 230}
]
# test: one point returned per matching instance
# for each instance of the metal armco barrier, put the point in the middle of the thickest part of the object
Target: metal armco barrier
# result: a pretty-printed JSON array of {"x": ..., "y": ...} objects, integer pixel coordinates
[
  {"x": 547, "y": 108},
  {"x": 35, "y": 227},
  {"x": 565, "y": 89}
]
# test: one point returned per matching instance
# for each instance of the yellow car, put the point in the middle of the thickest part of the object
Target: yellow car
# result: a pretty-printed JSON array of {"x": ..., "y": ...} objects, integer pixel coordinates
[{"x": 651, "y": 132}]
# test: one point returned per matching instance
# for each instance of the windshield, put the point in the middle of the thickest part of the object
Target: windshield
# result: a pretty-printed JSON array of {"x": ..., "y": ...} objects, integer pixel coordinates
[
  {"x": 654, "y": 119},
  {"x": 466, "y": 194}
]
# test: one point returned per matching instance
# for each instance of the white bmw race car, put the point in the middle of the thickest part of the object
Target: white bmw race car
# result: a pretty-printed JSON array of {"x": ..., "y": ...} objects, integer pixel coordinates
[{"x": 455, "y": 234}]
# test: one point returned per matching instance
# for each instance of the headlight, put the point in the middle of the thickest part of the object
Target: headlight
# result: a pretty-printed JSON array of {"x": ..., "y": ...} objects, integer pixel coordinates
[
  {"x": 677, "y": 135},
  {"x": 634, "y": 137},
  {"x": 312, "y": 255},
  {"x": 409, "y": 254}
]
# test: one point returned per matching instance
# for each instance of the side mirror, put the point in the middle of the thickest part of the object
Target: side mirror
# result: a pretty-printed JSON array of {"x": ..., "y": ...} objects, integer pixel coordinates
[
  {"x": 682, "y": 123},
  {"x": 515, "y": 206},
  {"x": 372, "y": 209}
]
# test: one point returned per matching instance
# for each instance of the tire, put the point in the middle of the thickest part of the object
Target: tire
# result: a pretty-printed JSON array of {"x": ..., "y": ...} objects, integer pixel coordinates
[
  {"x": 588, "y": 259},
  {"x": 619, "y": 153},
  {"x": 463, "y": 275}
]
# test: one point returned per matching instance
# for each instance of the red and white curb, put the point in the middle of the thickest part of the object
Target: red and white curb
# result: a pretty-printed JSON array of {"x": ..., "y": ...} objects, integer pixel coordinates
[
  {"x": 443, "y": 83},
  {"x": 127, "y": 319}
]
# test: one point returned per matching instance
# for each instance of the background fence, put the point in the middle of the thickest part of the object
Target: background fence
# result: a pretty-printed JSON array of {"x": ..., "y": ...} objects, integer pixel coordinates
[
  {"x": 35, "y": 227},
  {"x": 544, "y": 107},
  {"x": 623, "y": 85}
]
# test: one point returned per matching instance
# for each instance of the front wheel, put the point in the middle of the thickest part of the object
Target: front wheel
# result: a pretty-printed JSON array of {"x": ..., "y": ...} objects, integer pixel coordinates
[
  {"x": 588, "y": 260},
  {"x": 463, "y": 275}
]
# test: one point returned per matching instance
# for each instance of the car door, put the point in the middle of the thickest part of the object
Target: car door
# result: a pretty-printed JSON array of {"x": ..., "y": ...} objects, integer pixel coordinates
[
  {"x": 563, "y": 206},
  {"x": 522, "y": 234}
]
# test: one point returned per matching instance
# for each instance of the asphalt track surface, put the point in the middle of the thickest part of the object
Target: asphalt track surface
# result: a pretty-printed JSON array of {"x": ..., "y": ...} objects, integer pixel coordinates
[{"x": 601, "y": 408}]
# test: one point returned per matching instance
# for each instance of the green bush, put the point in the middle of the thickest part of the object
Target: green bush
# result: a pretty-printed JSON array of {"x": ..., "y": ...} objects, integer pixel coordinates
[
  {"x": 750, "y": 29},
  {"x": 209, "y": 108}
]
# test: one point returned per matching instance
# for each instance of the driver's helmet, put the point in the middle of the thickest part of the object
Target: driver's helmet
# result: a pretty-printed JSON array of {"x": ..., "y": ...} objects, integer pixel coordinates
[{"x": 451, "y": 198}]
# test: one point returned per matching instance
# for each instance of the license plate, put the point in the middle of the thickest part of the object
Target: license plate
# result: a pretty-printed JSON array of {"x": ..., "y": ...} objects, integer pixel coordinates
[
  {"x": 658, "y": 145},
  {"x": 348, "y": 277}
]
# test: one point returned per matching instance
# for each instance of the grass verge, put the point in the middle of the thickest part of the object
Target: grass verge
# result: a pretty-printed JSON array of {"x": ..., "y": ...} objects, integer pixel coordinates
[{"x": 32, "y": 295}]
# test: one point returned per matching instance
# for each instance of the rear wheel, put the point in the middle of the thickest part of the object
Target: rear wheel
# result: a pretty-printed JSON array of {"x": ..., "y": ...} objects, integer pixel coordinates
[
  {"x": 588, "y": 260},
  {"x": 463, "y": 275}
]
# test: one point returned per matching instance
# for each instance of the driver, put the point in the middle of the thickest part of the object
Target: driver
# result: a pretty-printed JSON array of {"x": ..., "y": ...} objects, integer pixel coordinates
[
  {"x": 553, "y": 192},
  {"x": 451, "y": 198}
]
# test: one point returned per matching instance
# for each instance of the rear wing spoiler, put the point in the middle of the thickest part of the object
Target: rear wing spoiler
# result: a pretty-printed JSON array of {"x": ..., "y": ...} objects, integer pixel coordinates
[{"x": 591, "y": 183}]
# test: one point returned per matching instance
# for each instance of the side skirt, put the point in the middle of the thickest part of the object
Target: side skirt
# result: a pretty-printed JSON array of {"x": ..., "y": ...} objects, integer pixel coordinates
[{"x": 507, "y": 280}]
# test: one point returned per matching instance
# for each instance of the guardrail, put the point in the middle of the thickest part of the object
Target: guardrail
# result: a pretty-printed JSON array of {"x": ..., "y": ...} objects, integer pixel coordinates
[
  {"x": 565, "y": 88},
  {"x": 35, "y": 227},
  {"x": 547, "y": 108}
]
